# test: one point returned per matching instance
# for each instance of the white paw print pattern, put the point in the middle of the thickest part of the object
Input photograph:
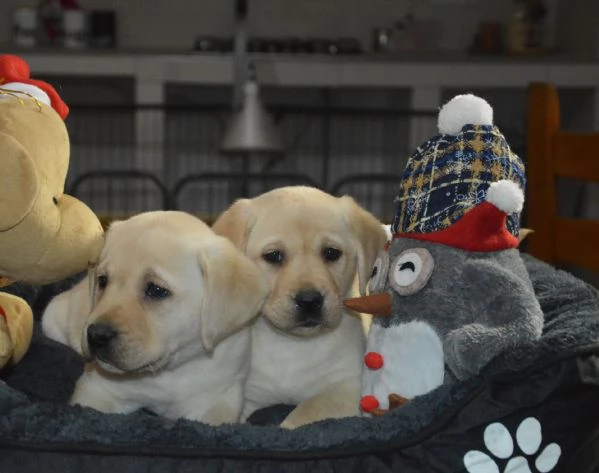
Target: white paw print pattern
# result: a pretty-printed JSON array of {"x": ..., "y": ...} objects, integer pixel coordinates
[{"x": 500, "y": 444}]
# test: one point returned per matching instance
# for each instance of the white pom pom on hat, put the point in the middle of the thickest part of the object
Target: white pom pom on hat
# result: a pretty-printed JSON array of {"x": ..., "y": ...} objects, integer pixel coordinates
[
  {"x": 506, "y": 195},
  {"x": 463, "y": 110}
]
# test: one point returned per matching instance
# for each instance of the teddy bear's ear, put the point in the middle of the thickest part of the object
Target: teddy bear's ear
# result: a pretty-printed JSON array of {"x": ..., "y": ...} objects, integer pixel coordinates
[{"x": 18, "y": 182}]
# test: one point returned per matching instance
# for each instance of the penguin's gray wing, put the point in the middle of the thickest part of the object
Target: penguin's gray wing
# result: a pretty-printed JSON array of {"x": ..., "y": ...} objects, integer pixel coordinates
[{"x": 505, "y": 314}]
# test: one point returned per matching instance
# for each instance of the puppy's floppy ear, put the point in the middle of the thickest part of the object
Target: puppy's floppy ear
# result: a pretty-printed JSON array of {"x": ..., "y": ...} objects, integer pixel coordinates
[
  {"x": 369, "y": 234},
  {"x": 234, "y": 290},
  {"x": 235, "y": 223},
  {"x": 65, "y": 316}
]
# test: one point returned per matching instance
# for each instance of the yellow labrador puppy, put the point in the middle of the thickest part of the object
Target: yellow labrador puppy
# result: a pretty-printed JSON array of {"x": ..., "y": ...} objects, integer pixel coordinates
[
  {"x": 306, "y": 349},
  {"x": 166, "y": 328}
]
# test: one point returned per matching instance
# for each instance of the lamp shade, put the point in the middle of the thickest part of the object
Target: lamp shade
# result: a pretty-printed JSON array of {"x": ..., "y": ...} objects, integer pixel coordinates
[{"x": 251, "y": 129}]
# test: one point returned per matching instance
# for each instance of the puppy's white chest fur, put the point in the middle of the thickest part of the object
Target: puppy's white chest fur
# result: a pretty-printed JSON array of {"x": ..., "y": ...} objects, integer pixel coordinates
[
  {"x": 413, "y": 361},
  {"x": 289, "y": 369},
  {"x": 206, "y": 387}
]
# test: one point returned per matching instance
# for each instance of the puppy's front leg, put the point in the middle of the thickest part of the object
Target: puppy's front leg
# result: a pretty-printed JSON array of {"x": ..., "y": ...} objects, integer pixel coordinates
[
  {"x": 226, "y": 409},
  {"x": 340, "y": 400},
  {"x": 219, "y": 414},
  {"x": 91, "y": 391}
]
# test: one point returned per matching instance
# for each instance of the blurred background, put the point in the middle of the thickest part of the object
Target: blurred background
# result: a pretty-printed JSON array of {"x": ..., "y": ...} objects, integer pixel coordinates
[{"x": 190, "y": 104}]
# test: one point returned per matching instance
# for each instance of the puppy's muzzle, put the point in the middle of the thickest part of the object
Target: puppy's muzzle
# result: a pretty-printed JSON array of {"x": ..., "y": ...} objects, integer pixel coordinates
[
  {"x": 100, "y": 338},
  {"x": 309, "y": 308}
]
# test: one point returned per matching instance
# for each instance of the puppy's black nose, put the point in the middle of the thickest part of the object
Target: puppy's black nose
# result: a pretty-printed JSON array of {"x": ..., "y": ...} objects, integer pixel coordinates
[
  {"x": 309, "y": 300},
  {"x": 99, "y": 336}
]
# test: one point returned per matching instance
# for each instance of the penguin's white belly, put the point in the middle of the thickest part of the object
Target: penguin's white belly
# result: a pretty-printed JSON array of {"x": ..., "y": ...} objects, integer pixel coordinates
[{"x": 413, "y": 361}]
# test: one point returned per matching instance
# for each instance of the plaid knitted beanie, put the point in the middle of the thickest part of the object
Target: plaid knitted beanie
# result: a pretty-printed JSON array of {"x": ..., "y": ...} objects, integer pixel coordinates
[{"x": 464, "y": 187}]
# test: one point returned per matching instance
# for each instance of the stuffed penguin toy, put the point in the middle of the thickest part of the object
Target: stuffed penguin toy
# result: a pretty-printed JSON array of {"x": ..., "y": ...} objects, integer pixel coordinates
[{"x": 450, "y": 291}]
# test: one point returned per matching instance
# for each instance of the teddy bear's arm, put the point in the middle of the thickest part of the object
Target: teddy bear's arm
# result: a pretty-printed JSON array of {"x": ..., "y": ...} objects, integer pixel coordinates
[{"x": 16, "y": 328}]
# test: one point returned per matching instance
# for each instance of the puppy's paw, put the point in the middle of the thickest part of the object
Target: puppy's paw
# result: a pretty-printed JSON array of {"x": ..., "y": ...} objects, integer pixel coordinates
[
  {"x": 342, "y": 399},
  {"x": 291, "y": 424},
  {"x": 302, "y": 415},
  {"x": 269, "y": 416},
  {"x": 320, "y": 408}
]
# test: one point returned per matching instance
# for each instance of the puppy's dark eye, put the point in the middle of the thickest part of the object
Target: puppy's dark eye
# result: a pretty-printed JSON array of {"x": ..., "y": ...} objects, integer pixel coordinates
[
  {"x": 102, "y": 281},
  {"x": 154, "y": 291},
  {"x": 274, "y": 257},
  {"x": 331, "y": 254},
  {"x": 55, "y": 200}
]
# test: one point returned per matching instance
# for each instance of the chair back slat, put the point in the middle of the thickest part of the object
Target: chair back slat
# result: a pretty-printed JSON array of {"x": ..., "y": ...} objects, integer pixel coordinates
[
  {"x": 577, "y": 242},
  {"x": 552, "y": 153},
  {"x": 576, "y": 155}
]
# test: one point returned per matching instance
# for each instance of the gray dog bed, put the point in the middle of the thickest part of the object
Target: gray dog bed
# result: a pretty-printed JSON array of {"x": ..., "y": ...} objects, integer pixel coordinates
[{"x": 541, "y": 401}]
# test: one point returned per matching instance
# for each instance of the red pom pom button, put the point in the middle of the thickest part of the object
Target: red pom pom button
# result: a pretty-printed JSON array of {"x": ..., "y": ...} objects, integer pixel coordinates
[
  {"x": 374, "y": 360},
  {"x": 369, "y": 403}
]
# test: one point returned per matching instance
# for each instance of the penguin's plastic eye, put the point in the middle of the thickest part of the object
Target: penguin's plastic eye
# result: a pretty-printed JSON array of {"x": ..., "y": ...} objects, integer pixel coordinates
[
  {"x": 411, "y": 270},
  {"x": 378, "y": 278},
  {"x": 408, "y": 265}
]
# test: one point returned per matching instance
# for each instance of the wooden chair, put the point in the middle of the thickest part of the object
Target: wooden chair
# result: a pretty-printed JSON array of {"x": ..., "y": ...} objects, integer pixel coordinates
[{"x": 553, "y": 152}]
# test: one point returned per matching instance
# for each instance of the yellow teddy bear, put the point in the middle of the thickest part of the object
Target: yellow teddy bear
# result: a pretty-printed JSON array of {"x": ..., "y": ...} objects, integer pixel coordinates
[{"x": 45, "y": 235}]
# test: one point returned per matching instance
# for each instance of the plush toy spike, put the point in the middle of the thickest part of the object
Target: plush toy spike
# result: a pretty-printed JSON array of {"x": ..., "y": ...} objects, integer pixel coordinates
[
  {"x": 464, "y": 110},
  {"x": 15, "y": 76}
]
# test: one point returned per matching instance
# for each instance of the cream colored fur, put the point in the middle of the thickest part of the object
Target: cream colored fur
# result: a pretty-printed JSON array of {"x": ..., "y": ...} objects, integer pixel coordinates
[
  {"x": 318, "y": 368},
  {"x": 182, "y": 355}
]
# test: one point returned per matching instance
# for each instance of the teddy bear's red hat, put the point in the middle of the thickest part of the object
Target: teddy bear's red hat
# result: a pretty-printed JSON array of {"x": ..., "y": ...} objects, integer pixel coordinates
[{"x": 15, "y": 69}]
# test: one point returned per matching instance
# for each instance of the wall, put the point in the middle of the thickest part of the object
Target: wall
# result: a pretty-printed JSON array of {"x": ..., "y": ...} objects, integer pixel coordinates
[
  {"x": 173, "y": 24},
  {"x": 579, "y": 31}
]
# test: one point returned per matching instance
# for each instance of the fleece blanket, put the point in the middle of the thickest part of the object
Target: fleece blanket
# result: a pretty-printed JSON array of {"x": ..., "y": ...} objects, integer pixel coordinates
[{"x": 544, "y": 391}]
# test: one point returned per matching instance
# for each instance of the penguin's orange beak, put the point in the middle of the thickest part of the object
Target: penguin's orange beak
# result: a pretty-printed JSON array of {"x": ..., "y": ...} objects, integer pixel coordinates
[{"x": 378, "y": 305}]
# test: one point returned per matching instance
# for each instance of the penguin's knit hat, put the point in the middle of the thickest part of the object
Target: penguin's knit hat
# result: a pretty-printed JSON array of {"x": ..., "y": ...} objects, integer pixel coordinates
[{"x": 464, "y": 187}]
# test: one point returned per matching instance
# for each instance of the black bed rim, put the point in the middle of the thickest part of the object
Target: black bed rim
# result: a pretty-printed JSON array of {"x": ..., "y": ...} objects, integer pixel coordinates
[{"x": 289, "y": 455}]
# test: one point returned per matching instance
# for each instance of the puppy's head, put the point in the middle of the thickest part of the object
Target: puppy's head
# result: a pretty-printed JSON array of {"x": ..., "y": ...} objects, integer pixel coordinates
[
  {"x": 167, "y": 289},
  {"x": 309, "y": 244}
]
